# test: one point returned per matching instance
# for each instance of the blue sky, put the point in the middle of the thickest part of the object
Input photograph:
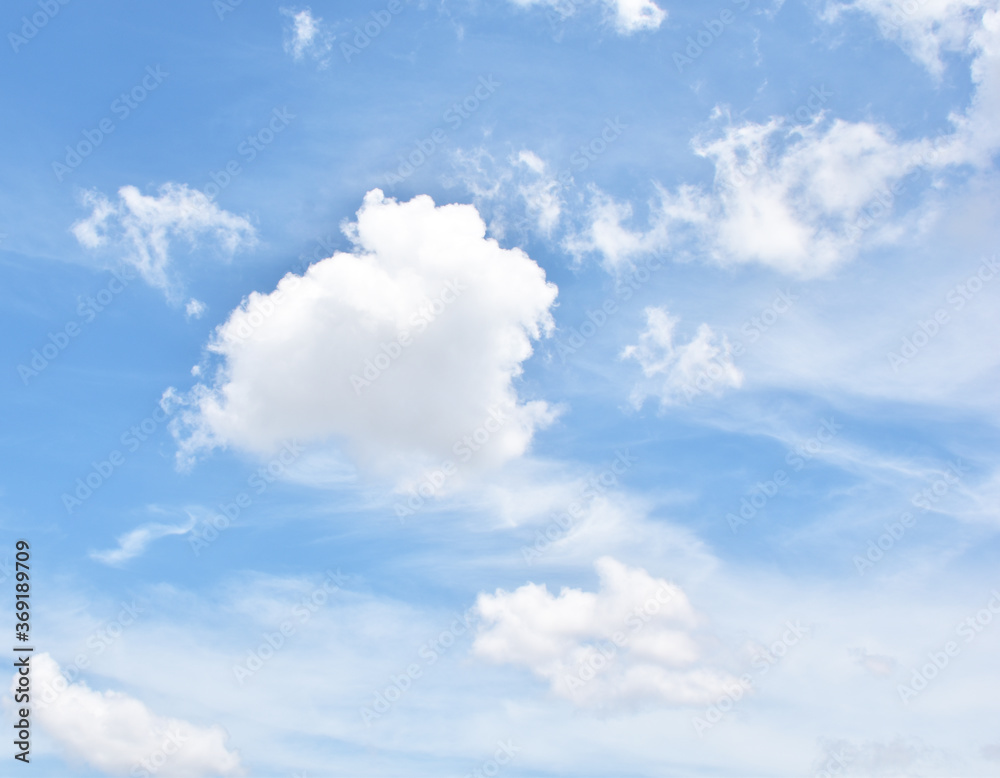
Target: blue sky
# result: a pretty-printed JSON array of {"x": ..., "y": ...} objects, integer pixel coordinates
[{"x": 536, "y": 388}]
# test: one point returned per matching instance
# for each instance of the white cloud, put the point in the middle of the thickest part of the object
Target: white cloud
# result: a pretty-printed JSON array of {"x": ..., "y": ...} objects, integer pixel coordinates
[
  {"x": 134, "y": 543},
  {"x": 803, "y": 199},
  {"x": 628, "y": 16},
  {"x": 304, "y": 35},
  {"x": 633, "y": 641},
  {"x": 142, "y": 227},
  {"x": 517, "y": 193},
  {"x": 925, "y": 29},
  {"x": 195, "y": 308},
  {"x": 928, "y": 29},
  {"x": 617, "y": 244},
  {"x": 540, "y": 195},
  {"x": 791, "y": 198},
  {"x": 118, "y": 735},
  {"x": 398, "y": 350},
  {"x": 683, "y": 371},
  {"x": 979, "y": 129},
  {"x": 796, "y": 199},
  {"x": 636, "y": 15}
]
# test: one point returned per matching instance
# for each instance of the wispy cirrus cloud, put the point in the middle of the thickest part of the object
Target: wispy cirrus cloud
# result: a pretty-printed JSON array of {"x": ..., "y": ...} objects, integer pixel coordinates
[{"x": 135, "y": 542}]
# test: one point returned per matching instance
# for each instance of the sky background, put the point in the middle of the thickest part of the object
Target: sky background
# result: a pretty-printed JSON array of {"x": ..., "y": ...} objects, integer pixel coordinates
[{"x": 533, "y": 387}]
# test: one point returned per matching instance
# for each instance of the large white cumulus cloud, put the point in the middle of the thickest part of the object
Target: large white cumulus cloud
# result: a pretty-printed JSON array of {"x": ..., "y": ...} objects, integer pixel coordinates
[{"x": 399, "y": 349}]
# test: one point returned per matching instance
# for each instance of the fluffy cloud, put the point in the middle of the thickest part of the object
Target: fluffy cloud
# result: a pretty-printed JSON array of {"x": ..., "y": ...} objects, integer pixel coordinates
[
  {"x": 797, "y": 199},
  {"x": 633, "y": 641},
  {"x": 405, "y": 349},
  {"x": 607, "y": 234},
  {"x": 793, "y": 197},
  {"x": 517, "y": 194},
  {"x": 118, "y": 735},
  {"x": 304, "y": 35},
  {"x": 194, "y": 309},
  {"x": 677, "y": 373},
  {"x": 142, "y": 227},
  {"x": 628, "y": 16},
  {"x": 636, "y": 15}
]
